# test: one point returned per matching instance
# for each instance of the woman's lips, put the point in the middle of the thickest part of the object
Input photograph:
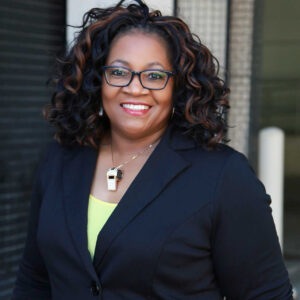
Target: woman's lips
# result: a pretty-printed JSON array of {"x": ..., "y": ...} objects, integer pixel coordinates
[{"x": 135, "y": 109}]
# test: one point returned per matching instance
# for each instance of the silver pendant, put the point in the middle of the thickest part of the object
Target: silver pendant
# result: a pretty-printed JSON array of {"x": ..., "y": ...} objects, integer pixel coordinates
[{"x": 113, "y": 175}]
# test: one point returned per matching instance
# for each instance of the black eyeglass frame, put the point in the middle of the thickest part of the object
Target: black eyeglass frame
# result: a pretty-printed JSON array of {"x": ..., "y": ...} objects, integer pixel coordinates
[{"x": 133, "y": 73}]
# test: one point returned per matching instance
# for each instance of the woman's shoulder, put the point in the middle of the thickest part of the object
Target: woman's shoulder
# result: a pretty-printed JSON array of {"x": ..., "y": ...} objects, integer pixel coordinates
[
  {"x": 237, "y": 181},
  {"x": 52, "y": 154},
  {"x": 222, "y": 156},
  {"x": 183, "y": 142},
  {"x": 231, "y": 163},
  {"x": 215, "y": 160},
  {"x": 55, "y": 149},
  {"x": 231, "y": 157}
]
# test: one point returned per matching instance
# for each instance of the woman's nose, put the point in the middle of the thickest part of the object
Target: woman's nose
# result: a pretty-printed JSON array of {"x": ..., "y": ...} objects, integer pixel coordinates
[{"x": 135, "y": 86}]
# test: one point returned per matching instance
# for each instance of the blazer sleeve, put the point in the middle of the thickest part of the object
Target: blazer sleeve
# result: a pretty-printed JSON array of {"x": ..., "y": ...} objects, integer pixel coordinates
[
  {"x": 246, "y": 252},
  {"x": 32, "y": 278}
]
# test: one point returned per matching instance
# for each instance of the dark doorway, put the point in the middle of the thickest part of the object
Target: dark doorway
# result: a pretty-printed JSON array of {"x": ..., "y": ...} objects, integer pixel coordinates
[
  {"x": 281, "y": 104},
  {"x": 31, "y": 33}
]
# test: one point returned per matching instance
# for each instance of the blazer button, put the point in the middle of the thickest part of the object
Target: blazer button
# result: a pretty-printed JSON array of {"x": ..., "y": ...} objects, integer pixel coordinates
[{"x": 95, "y": 288}]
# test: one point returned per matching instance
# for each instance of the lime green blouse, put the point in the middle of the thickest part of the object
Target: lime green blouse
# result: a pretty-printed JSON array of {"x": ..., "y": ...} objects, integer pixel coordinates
[{"x": 98, "y": 213}]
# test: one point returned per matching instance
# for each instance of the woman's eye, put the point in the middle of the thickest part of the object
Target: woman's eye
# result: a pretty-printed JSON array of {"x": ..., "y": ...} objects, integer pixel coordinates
[
  {"x": 156, "y": 76},
  {"x": 117, "y": 72}
]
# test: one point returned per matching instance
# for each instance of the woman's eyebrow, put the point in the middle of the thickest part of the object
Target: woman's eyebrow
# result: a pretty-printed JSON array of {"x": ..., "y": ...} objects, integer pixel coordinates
[
  {"x": 155, "y": 63},
  {"x": 124, "y": 62},
  {"x": 119, "y": 61}
]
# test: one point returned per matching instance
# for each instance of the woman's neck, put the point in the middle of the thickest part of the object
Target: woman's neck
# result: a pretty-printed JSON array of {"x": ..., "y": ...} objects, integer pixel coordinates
[{"x": 123, "y": 145}]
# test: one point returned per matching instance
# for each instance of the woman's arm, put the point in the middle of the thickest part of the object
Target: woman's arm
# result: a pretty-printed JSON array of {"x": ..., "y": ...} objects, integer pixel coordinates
[
  {"x": 32, "y": 278},
  {"x": 246, "y": 252}
]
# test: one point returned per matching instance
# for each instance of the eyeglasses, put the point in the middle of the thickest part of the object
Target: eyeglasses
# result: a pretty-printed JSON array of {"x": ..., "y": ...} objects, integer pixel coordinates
[{"x": 152, "y": 79}]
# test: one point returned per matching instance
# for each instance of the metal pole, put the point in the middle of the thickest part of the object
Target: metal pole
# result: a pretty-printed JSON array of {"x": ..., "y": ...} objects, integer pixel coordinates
[{"x": 271, "y": 171}]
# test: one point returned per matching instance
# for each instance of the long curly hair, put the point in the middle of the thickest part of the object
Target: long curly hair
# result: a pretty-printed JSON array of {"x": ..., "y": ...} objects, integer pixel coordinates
[{"x": 199, "y": 96}]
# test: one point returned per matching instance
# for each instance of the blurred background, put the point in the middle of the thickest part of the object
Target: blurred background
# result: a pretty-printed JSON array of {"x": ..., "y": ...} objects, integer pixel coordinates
[{"x": 257, "y": 43}]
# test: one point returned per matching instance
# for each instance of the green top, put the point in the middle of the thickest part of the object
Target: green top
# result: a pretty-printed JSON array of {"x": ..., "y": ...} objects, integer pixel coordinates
[{"x": 98, "y": 213}]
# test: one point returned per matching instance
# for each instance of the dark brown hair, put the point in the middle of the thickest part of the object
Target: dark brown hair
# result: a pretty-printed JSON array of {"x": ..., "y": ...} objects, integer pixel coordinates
[{"x": 199, "y": 94}]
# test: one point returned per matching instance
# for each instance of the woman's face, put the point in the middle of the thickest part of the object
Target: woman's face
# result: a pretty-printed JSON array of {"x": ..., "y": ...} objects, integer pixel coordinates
[{"x": 134, "y": 111}]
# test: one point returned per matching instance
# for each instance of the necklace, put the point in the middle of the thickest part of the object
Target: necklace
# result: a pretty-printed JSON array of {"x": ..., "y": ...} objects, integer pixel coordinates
[{"x": 115, "y": 174}]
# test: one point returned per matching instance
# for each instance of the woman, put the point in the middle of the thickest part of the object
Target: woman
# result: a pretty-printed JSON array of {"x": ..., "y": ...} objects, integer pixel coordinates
[{"x": 137, "y": 198}]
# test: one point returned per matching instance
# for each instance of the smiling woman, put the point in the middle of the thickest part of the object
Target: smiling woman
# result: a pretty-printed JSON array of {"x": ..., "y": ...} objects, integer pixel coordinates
[
  {"x": 138, "y": 198},
  {"x": 135, "y": 110}
]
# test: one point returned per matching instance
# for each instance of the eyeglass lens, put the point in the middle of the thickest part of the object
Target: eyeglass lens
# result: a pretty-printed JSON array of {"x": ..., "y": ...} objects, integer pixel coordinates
[{"x": 152, "y": 79}]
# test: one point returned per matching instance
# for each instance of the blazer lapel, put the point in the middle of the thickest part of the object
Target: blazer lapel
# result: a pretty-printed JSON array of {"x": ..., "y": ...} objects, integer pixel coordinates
[
  {"x": 78, "y": 170},
  {"x": 161, "y": 167}
]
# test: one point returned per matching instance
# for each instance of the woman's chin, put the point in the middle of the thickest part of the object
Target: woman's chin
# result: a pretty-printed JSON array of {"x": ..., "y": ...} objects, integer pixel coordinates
[
  {"x": 135, "y": 132},
  {"x": 138, "y": 130}
]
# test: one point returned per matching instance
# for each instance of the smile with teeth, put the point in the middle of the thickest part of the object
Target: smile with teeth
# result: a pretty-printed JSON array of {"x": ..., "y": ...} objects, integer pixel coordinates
[
  {"x": 135, "y": 109},
  {"x": 135, "y": 106}
]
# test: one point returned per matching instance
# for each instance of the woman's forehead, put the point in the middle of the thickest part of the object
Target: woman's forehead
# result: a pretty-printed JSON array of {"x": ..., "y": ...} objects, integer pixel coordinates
[{"x": 145, "y": 49}]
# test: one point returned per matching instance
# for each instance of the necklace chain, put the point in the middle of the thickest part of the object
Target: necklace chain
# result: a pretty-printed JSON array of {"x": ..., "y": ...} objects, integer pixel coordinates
[
  {"x": 136, "y": 155},
  {"x": 115, "y": 174}
]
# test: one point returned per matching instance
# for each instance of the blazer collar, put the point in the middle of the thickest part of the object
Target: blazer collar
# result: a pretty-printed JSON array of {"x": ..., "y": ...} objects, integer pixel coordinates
[{"x": 78, "y": 170}]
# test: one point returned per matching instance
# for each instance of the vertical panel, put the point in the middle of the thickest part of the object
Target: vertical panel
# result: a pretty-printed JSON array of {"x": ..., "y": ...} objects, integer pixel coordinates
[
  {"x": 208, "y": 19},
  {"x": 240, "y": 71},
  {"x": 31, "y": 32}
]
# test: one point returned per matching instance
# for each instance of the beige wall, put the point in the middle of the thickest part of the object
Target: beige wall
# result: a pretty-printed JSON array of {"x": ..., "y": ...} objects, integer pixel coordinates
[{"x": 207, "y": 19}]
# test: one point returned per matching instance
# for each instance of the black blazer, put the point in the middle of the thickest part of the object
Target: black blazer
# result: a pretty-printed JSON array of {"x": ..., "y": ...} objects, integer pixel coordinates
[{"x": 193, "y": 225}]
